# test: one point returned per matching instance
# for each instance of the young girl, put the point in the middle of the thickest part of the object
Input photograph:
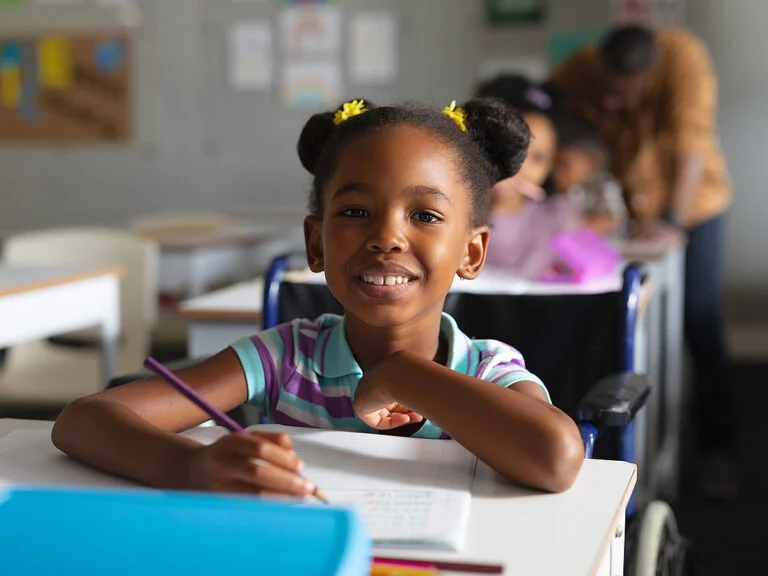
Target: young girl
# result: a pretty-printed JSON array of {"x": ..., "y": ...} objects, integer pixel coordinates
[
  {"x": 398, "y": 209},
  {"x": 524, "y": 227}
]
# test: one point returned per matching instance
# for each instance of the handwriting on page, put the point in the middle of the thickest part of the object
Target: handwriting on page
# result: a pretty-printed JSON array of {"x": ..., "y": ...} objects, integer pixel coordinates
[{"x": 403, "y": 517}]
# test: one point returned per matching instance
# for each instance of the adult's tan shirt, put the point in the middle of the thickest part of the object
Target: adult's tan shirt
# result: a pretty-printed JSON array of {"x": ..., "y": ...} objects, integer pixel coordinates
[{"x": 677, "y": 116}]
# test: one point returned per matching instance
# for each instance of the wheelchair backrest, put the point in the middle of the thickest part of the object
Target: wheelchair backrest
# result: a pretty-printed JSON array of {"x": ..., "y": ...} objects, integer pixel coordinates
[{"x": 569, "y": 341}]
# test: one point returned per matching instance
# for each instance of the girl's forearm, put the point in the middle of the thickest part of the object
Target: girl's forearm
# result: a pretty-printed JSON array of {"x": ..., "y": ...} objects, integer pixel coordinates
[
  {"x": 525, "y": 439},
  {"x": 108, "y": 435}
]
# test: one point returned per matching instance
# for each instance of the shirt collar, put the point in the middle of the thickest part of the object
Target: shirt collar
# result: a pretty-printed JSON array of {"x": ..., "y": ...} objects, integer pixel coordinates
[{"x": 333, "y": 357}]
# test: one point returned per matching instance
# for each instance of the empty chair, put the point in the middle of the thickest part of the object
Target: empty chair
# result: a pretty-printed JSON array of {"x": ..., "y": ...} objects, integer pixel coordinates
[{"x": 46, "y": 374}]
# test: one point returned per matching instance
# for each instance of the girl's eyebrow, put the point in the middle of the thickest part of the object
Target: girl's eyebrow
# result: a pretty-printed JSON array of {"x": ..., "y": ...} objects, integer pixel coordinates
[{"x": 418, "y": 190}]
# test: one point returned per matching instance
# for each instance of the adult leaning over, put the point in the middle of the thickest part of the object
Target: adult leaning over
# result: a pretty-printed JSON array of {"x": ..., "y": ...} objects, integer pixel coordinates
[{"x": 654, "y": 97}]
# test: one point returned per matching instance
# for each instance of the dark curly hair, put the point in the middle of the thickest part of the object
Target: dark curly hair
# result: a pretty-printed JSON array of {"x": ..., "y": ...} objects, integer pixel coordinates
[
  {"x": 629, "y": 50},
  {"x": 493, "y": 147}
]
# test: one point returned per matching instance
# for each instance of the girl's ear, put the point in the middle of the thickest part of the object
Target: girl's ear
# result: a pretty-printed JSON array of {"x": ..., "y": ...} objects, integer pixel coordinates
[
  {"x": 474, "y": 254},
  {"x": 313, "y": 241}
]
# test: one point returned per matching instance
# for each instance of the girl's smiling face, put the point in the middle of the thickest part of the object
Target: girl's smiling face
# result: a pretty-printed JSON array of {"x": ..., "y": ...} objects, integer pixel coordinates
[{"x": 395, "y": 227}]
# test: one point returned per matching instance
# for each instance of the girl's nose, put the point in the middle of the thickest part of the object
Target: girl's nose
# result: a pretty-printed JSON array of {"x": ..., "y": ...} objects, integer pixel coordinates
[{"x": 387, "y": 235}]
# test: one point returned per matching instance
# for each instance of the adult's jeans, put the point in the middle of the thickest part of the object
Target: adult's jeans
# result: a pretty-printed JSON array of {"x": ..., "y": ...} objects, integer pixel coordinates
[{"x": 704, "y": 331}]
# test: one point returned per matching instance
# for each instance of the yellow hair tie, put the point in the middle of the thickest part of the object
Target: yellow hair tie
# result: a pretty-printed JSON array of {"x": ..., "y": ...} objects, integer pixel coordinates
[
  {"x": 457, "y": 115},
  {"x": 348, "y": 110}
]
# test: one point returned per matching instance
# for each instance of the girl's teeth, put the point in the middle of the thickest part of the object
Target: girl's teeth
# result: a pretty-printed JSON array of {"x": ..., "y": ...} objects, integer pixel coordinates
[{"x": 384, "y": 280}]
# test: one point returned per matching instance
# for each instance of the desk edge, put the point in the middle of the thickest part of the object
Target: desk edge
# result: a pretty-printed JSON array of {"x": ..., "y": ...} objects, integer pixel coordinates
[
  {"x": 617, "y": 517},
  {"x": 65, "y": 278}
]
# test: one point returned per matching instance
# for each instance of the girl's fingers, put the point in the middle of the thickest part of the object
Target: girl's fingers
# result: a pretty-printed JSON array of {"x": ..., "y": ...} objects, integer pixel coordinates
[
  {"x": 256, "y": 448},
  {"x": 279, "y": 438},
  {"x": 273, "y": 479}
]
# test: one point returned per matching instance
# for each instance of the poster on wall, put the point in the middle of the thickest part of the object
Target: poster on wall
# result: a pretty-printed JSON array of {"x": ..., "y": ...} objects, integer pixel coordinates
[
  {"x": 311, "y": 30},
  {"x": 65, "y": 88},
  {"x": 657, "y": 13},
  {"x": 506, "y": 12},
  {"x": 250, "y": 55},
  {"x": 311, "y": 84},
  {"x": 373, "y": 48}
]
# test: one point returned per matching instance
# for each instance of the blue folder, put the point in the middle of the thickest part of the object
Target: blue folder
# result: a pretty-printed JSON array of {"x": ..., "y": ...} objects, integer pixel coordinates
[{"x": 84, "y": 532}]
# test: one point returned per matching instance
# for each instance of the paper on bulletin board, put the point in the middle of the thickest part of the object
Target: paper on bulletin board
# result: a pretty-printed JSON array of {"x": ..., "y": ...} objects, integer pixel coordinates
[
  {"x": 54, "y": 55},
  {"x": 311, "y": 84},
  {"x": 250, "y": 55},
  {"x": 311, "y": 30},
  {"x": 658, "y": 13},
  {"x": 10, "y": 75},
  {"x": 373, "y": 48}
]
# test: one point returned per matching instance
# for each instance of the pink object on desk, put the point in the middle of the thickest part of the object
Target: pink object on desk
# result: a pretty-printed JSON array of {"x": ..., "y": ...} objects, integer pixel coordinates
[{"x": 581, "y": 256}]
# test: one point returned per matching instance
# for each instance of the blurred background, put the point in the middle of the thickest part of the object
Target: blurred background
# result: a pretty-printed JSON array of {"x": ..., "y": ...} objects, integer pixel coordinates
[{"x": 144, "y": 109}]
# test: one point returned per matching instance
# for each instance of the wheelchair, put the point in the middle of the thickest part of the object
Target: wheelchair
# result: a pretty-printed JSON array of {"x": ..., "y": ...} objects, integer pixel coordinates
[{"x": 571, "y": 341}]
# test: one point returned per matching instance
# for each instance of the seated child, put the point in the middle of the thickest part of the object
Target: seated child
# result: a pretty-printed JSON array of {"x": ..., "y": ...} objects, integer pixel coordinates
[
  {"x": 399, "y": 207},
  {"x": 578, "y": 173},
  {"x": 524, "y": 227}
]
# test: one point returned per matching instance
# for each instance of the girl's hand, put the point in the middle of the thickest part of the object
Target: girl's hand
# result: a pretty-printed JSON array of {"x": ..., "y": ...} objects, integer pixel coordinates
[
  {"x": 254, "y": 463},
  {"x": 375, "y": 406}
]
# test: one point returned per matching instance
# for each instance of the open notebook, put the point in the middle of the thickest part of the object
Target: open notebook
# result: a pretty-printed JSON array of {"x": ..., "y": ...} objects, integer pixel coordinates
[{"x": 411, "y": 492}]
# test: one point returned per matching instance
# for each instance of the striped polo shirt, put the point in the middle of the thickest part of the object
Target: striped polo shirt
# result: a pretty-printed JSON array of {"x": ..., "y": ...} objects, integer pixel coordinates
[{"x": 303, "y": 373}]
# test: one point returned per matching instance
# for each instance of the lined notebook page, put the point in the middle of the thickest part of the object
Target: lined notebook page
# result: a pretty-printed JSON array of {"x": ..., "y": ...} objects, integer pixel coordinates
[{"x": 411, "y": 491}]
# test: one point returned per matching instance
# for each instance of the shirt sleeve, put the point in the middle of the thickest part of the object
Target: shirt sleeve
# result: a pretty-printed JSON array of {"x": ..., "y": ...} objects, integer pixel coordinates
[
  {"x": 692, "y": 96},
  {"x": 503, "y": 365},
  {"x": 259, "y": 357}
]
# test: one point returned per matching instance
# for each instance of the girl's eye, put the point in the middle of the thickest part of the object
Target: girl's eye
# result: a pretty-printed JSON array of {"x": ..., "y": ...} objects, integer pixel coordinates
[
  {"x": 355, "y": 213},
  {"x": 426, "y": 217}
]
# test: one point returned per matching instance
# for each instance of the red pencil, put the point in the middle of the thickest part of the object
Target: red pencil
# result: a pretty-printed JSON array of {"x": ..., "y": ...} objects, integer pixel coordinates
[{"x": 447, "y": 565}]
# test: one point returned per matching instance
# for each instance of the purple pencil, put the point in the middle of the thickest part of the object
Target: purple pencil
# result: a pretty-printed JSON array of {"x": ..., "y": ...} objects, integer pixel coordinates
[{"x": 216, "y": 415}]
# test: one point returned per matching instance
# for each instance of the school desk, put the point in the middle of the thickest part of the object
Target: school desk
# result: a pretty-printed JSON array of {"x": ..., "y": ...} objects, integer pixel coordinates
[
  {"x": 38, "y": 302},
  {"x": 217, "y": 319},
  {"x": 579, "y": 532},
  {"x": 194, "y": 262}
]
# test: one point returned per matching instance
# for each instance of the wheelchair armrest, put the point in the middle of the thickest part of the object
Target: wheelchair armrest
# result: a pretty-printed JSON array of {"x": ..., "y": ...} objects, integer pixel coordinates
[
  {"x": 615, "y": 400},
  {"x": 128, "y": 378}
]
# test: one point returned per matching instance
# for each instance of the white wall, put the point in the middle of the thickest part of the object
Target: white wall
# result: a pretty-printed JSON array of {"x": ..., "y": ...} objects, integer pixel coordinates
[
  {"x": 200, "y": 145},
  {"x": 736, "y": 35}
]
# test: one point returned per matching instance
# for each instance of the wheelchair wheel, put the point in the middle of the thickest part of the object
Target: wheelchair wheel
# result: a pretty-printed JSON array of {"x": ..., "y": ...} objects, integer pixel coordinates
[{"x": 660, "y": 550}]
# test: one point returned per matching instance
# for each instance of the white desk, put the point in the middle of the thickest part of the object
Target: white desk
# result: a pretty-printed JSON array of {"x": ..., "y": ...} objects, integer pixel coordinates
[
  {"x": 217, "y": 319},
  {"x": 195, "y": 261},
  {"x": 579, "y": 532},
  {"x": 39, "y": 302}
]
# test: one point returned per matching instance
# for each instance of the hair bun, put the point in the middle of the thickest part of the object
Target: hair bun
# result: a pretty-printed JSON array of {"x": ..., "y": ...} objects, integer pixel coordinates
[
  {"x": 500, "y": 132},
  {"x": 316, "y": 133}
]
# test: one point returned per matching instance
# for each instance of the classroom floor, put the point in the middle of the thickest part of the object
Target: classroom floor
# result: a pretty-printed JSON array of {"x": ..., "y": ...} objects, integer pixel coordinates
[{"x": 729, "y": 536}]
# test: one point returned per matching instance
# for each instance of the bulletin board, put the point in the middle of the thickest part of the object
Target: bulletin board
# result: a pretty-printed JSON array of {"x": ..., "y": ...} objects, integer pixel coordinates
[{"x": 72, "y": 88}]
